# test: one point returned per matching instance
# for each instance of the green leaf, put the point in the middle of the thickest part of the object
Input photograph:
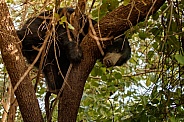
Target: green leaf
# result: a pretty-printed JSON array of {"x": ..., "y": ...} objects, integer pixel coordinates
[
  {"x": 144, "y": 118},
  {"x": 174, "y": 26},
  {"x": 148, "y": 82},
  {"x": 126, "y": 2},
  {"x": 93, "y": 72},
  {"x": 144, "y": 100},
  {"x": 118, "y": 76},
  {"x": 96, "y": 71},
  {"x": 163, "y": 8},
  {"x": 104, "y": 77},
  {"x": 70, "y": 26},
  {"x": 112, "y": 4},
  {"x": 155, "y": 31},
  {"x": 155, "y": 45},
  {"x": 182, "y": 2},
  {"x": 179, "y": 58},
  {"x": 152, "y": 119},
  {"x": 174, "y": 41},
  {"x": 87, "y": 86},
  {"x": 172, "y": 119},
  {"x": 155, "y": 16},
  {"x": 142, "y": 35},
  {"x": 56, "y": 15},
  {"x": 152, "y": 78},
  {"x": 94, "y": 83},
  {"x": 150, "y": 54},
  {"x": 139, "y": 108},
  {"x": 63, "y": 19}
]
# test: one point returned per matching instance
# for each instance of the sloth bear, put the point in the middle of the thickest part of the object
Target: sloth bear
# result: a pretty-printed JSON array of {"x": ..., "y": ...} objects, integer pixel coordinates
[{"x": 59, "y": 53}]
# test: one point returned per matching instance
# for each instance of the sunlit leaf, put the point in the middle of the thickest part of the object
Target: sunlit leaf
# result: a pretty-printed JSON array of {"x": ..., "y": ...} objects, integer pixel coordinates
[
  {"x": 148, "y": 82},
  {"x": 70, "y": 26},
  {"x": 180, "y": 58},
  {"x": 153, "y": 78},
  {"x": 56, "y": 15},
  {"x": 63, "y": 19},
  {"x": 126, "y": 2}
]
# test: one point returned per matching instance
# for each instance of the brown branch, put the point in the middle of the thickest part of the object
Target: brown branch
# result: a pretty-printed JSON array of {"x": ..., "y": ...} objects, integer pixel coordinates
[
  {"x": 124, "y": 17},
  {"x": 77, "y": 18}
]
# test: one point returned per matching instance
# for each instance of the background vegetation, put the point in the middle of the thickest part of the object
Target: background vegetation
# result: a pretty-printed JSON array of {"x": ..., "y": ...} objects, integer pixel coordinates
[{"x": 150, "y": 87}]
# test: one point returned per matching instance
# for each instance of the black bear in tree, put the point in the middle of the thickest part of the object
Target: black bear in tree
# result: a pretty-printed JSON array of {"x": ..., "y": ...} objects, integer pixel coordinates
[{"x": 62, "y": 50}]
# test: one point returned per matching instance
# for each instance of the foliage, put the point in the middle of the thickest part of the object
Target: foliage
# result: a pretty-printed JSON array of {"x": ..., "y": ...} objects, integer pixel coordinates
[{"x": 150, "y": 87}]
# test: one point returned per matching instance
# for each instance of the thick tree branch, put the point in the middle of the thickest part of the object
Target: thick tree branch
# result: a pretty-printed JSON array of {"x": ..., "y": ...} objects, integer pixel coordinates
[
  {"x": 16, "y": 66},
  {"x": 113, "y": 24},
  {"x": 124, "y": 17}
]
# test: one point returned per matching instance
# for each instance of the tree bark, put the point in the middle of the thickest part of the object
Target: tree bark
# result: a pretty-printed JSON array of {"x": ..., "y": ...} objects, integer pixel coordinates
[
  {"x": 113, "y": 24},
  {"x": 16, "y": 66}
]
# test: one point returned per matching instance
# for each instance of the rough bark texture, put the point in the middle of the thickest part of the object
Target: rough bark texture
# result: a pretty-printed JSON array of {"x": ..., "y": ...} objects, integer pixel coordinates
[
  {"x": 113, "y": 24},
  {"x": 16, "y": 66}
]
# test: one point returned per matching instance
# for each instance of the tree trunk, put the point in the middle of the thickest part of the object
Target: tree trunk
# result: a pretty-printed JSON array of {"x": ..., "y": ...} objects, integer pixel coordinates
[
  {"x": 113, "y": 24},
  {"x": 16, "y": 66}
]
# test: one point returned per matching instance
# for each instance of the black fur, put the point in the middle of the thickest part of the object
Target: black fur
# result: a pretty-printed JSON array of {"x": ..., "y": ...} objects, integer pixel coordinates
[{"x": 33, "y": 34}]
